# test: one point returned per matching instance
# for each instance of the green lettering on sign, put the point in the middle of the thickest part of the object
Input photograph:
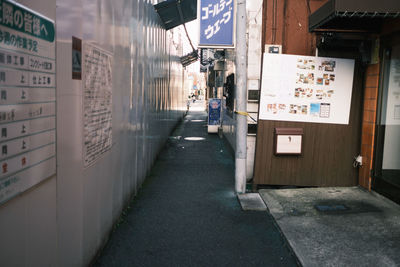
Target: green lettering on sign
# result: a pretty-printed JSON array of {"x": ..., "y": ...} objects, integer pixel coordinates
[{"x": 16, "y": 17}]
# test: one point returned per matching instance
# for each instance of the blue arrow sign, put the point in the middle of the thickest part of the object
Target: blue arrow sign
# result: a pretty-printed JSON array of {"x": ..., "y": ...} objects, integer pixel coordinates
[{"x": 217, "y": 19}]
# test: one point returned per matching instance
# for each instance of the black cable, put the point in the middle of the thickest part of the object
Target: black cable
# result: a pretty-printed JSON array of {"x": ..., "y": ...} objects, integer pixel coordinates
[{"x": 178, "y": 5}]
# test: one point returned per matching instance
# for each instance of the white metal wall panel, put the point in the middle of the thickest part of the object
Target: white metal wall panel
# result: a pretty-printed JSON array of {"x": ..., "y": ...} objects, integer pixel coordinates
[
  {"x": 131, "y": 31},
  {"x": 64, "y": 220},
  {"x": 28, "y": 231}
]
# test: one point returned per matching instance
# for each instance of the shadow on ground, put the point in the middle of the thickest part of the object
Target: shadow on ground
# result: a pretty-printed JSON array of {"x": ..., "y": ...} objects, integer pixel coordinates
[{"x": 187, "y": 213}]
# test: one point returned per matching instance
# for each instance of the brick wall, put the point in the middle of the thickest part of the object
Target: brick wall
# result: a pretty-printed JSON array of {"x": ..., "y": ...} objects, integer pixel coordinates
[
  {"x": 286, "y": 23},
  {"x": 368, "y": 124}
]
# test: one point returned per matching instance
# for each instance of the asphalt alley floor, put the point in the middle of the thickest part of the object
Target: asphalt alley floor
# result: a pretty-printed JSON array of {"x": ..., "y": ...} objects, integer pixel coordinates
[{"x": 187, "y": 214}]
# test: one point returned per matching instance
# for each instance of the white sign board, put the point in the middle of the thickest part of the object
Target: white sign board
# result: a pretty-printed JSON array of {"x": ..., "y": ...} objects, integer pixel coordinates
[
  {"x": 97, "y": 101},
  {"x": 306, "y": 89},
  {"x": 27, "y": 99}
]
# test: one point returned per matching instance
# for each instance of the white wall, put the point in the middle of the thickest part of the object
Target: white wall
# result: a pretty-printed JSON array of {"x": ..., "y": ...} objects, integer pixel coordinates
[
  {"x": 391, "y": 150},
  {"x": 28, "y": 223},
  {"x": 64, "y": 220}
]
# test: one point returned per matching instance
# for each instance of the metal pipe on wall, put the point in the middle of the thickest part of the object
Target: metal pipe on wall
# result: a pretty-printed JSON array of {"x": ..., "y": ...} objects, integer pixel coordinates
[{"x": 241, "y": 98}]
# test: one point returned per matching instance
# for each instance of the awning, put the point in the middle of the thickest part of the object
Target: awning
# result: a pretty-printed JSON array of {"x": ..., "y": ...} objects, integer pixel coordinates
[
  {"x": 176, "y": 12},
  {"x": 354, "y": 15}
]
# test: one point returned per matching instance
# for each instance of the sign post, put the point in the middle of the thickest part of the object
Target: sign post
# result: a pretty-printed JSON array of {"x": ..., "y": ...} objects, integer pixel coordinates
[{"x": 214, "y": 115}]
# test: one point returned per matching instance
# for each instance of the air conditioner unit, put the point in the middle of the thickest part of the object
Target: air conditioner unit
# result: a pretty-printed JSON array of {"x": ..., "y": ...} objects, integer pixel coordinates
[{"x": 273, "y": 49}]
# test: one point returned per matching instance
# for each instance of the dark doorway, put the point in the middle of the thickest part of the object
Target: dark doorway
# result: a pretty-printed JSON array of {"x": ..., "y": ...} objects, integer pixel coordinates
[{"x": 387, "y": 152}]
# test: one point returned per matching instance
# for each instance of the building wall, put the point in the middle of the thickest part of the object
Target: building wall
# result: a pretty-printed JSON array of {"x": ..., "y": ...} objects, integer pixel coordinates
[
  {"x": 254, "y": 33},
  {"x": 368, "y": 123},
  {"x": 286, "y": 23},
  {"x": 65, "y": 220},
  {"x": 289, "y": 28},
  {"x": 228, "y": 120}
]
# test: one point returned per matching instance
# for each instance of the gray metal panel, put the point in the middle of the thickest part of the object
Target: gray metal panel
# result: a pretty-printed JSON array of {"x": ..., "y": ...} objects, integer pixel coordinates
[
  {"x": 323, "y": 14},
  {"x": 169, "y": 12}
]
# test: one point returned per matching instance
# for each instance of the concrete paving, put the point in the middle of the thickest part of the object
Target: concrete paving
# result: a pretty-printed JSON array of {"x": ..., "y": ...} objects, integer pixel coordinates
[
  {"x": 252, "y": 201},
  {"x": 187, "y": 213},
  {"x": 337, "y": 226}
]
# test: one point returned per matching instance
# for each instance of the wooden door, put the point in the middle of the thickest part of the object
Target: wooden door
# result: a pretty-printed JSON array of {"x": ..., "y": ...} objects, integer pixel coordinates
[{"x": 328, "y": 149}]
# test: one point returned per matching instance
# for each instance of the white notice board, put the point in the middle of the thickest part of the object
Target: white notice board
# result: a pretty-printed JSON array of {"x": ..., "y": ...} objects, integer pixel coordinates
[
  {"x": 392, "y": 114},
  {"x": 306, "y": 89},
  {"x": 97, "y": 102},
  {"x": 27, "y": 99}
]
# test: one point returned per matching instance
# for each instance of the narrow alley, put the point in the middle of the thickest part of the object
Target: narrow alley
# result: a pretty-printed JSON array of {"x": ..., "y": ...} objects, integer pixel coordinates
[
  {"x": 199, "y": 133},
  {"x": 187, "y": 213}
]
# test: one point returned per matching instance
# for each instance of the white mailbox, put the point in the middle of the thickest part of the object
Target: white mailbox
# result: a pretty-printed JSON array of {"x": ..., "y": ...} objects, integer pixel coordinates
[{"x": 288, "y": 141}]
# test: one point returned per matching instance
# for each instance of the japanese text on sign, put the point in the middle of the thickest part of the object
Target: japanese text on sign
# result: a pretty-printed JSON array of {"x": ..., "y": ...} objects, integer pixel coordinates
[
  {"x": 20, "y": 19},
  {"x": 97, "y": 87},
  {"x": 216, "y": 23},
  {"x": 214, "y": 10}
]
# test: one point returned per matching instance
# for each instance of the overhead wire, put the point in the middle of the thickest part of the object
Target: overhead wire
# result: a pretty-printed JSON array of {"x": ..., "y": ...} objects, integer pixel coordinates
[{"x": 183, "y": 23}]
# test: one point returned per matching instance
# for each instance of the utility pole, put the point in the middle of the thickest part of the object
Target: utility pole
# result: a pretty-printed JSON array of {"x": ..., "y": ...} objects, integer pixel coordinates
[{"x": 241, "y": 98}]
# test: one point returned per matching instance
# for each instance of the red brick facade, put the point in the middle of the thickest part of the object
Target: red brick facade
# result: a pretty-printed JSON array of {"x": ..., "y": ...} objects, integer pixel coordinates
[{"x": 368, "y": 124}]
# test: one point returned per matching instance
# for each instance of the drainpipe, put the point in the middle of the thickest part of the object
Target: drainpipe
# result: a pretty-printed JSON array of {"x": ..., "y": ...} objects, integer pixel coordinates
[{"x": 241, "y": 98}]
